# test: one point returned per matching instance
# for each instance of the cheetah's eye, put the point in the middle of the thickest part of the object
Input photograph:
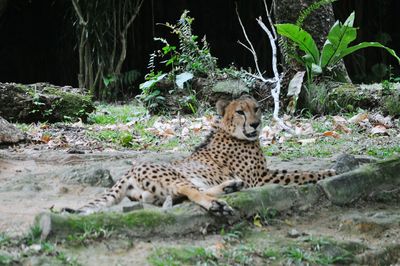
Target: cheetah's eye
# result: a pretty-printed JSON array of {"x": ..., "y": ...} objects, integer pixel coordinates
[{"x": 240, "y": 112}]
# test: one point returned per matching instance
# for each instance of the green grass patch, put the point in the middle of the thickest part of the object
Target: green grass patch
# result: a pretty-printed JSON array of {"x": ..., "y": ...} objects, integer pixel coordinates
[
  {"x": 107, "y": 114},
  {"x": 181, "y": 256},
  {"x": 383, "y": 153}
]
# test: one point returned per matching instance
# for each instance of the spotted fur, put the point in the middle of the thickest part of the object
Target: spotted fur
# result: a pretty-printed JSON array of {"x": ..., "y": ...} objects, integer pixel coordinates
[{"x": 228, "y": 160}]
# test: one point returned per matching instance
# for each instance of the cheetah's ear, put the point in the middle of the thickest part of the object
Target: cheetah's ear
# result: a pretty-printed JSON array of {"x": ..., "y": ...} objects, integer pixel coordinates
[{"x": 221, "y": 105}]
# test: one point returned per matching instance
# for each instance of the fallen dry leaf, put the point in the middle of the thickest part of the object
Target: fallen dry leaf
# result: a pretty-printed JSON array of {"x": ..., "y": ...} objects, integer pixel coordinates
[
  {"x": 333, "y": 134},
  {"x": 378, "y": 119},
  {"x": 379, "y": 130},
  {"x": 45, "y": 138},
  {"x": 342, "y": 127},
  {"x": 339, "y": 120},
  {"x": 358, "y": 118}
]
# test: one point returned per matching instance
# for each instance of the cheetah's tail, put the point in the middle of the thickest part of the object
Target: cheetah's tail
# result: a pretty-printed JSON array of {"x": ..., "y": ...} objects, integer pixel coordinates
[
  {"x": 112, "y": 196},
  {"x": 284, "y": 177}
]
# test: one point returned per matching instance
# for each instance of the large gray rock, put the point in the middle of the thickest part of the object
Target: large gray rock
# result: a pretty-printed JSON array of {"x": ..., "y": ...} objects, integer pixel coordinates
[
  {"x": 9, "y": 133},
  {"x": 362, "y": 182}
]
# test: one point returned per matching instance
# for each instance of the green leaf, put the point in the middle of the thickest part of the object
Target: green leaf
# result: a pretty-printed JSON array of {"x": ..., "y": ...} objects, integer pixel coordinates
[
  {"x": 182, "y": 78},
  {"x": 339, "y": 37},
  {"x": 362, "y": 45},
  {"x": 151, "y": 82},
  {"x": 301, "y": 37}
]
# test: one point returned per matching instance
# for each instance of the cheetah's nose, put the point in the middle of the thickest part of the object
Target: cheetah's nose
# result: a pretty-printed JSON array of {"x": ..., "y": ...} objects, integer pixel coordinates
[{"x": 255, "y": 125}]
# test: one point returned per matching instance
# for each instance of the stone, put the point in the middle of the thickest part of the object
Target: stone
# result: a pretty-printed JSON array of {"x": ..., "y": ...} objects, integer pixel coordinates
[
  {"x": 89, "y": 175},
  {"x": 9, "y": 133},
  {"x": 362, "y": 182},
  {"x": 43, "y": 102},
  {"x": 293, "y": 233},
  {"x": 346, "y": 163}
]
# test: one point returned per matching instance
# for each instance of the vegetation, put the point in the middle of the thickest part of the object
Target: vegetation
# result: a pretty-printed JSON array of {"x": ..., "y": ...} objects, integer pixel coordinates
[
  {"x": 335, "y": 48},
  {"x": 101, "y": 33},
  {"x": 191, "y": 59},
  {"x": 173, "y": 72}
]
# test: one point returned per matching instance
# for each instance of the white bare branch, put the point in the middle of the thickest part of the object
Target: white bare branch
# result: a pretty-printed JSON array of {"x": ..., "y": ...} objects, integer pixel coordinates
[
  {"x": 250, "y": 47},
  {"x": 276, "y": 80}
]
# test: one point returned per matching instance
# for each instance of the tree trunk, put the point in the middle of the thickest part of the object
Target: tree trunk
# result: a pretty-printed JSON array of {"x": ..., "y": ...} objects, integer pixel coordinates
[{"x": 317, "y": 24}]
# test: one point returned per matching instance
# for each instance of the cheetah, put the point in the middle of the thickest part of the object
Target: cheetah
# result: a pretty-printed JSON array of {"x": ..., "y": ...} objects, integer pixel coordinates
[{"x": 228, "y": 160}]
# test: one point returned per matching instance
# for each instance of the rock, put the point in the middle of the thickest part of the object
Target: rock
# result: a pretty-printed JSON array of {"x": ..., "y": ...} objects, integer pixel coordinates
[
  {"x": 293, "y": 233},
  {"x": 9, "y": 133},
  {"x": 89, "y": 175},
  {"x": 42, "y": 102},
  {"x": 346, "y": 163},
  {"x": 230, "y": 87},
  {"x": 133, "y": 207},
  {"x": 362, "y": 182},
  {"x": 186, "y": 218}
]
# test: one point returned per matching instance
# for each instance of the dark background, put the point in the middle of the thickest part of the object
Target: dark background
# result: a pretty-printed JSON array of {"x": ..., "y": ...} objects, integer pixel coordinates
[{"x": 37, "y": 42}]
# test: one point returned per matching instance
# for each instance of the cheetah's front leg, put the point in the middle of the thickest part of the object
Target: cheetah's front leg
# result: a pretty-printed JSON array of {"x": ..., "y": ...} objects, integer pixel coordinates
[
  {"x": 225, "y": 187},
  {"x": 208, "y": 202}
]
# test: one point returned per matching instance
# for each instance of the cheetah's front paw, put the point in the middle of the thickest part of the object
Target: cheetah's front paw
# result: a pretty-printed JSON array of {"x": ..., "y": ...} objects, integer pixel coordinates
[
  {"x": 220, "y": 208},
  {"x": 233, "y": 186}
]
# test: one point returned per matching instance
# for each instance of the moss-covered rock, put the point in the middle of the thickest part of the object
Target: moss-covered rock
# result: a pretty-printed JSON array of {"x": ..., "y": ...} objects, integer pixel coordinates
[
  {"x": 360, "y": 183},
  {"x": 332, "y": 97},
  {"x": 42, "y": 102}
]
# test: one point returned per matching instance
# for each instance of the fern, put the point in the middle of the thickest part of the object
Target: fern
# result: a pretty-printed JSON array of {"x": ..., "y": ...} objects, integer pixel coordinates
[
  {"x": 151, "y": 66},
  {"x": 304, "y": 14},
  {"x": 288, "y": 48}
]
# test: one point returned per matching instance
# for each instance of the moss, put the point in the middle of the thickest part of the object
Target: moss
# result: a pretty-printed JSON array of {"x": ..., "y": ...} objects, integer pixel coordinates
[
  {"x": 70, "y": 105},
  {"x": 242, "y": 200},
  {"x": 44, "y": 103},
  {"x": 142, "y": 221}
]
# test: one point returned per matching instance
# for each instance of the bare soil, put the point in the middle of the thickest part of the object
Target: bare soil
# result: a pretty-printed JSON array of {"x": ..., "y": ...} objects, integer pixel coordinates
[{"x": 34, "y": 181}]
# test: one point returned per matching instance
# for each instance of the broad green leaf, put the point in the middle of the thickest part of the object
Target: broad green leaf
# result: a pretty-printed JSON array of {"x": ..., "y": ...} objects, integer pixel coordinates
[
  {"x": 362, "y": 45},
  {"x": 339, "y": 37},
  {"x": 350, "y": 20},
  {"x": 151, "y": 82},
  {"x": 301, "y": 37},
  {"x": 182, "y": 78}
]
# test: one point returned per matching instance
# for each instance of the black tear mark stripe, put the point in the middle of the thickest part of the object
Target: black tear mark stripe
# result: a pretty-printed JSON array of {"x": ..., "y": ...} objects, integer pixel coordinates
[{"x": 244, "y": 125}]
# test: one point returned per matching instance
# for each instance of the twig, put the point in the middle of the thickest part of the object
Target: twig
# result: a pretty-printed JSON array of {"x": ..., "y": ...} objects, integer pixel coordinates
[
  {"x": 250, "y": 47},
  {"x": 275, "y": 91},
  {"x": 79, "y": 13}
]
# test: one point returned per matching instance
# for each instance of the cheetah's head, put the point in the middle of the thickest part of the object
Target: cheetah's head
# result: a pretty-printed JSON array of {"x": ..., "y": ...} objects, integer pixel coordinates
[{"x": 241, "y": 118}]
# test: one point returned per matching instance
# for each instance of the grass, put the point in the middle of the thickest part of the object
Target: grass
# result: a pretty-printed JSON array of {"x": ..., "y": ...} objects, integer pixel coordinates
[
  {"x": 358, "y": 142},
  {"x": 20, "y": 248},
  {"x": 181, "y": 256},
  {"x": 107, "y": 114},
  {"x": 382, "y": 153}
]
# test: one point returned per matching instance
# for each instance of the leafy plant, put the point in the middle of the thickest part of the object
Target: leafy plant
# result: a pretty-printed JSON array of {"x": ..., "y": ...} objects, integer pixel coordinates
[
  {"x": 310, "y": 9},
  {"x": 336, "y": 46},
  {"x": 190, "y": 59},
  {"x": 288, "y": 50}
]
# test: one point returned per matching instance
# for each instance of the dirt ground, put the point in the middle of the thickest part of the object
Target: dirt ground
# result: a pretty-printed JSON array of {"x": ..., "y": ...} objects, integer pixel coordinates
[{"x": 33, "y": 181}]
